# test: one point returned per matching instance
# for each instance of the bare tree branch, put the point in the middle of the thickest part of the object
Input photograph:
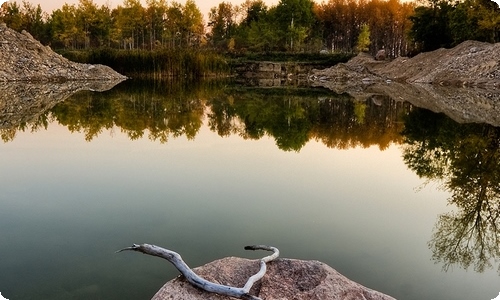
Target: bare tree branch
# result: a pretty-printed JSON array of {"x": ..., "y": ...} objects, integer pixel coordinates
[{"x": 197, "y": 281}]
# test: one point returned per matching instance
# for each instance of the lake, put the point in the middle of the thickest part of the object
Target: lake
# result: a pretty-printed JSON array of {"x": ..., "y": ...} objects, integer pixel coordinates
[{"x": 400, "y": 199}]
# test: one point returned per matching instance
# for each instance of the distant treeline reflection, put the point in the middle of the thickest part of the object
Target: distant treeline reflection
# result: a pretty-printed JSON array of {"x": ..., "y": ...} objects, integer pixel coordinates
[{"x": 293, "y": 116}]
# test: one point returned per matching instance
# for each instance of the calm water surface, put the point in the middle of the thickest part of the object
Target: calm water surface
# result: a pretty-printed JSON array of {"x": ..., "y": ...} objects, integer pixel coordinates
[{"x": 205, "y": 171}]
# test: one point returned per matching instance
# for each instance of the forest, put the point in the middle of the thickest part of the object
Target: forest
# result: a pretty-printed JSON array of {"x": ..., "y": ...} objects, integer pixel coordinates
[{"x": 292, "y": 26}]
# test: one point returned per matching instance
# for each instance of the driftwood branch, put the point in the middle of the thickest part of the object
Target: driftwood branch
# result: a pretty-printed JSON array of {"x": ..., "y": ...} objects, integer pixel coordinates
[{"x": 194, "y": 279}]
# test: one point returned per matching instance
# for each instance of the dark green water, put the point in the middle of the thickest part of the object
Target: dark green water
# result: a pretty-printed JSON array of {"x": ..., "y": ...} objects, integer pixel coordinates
[{"x": 206, "y": 169}]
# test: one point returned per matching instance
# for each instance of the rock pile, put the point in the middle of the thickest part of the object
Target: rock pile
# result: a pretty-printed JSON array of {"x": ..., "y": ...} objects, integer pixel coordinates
[
  {"x": 284, "y": 279},
  {"x": 33, "y": 78},
  {"x": 22, "y": 58},
  {"x": 471, "y": 63},
  {"x": 463, "y": 82}
]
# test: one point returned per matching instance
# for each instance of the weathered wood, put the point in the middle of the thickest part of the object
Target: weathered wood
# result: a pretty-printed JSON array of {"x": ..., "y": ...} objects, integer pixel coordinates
[{"x": 195, "y": 280}]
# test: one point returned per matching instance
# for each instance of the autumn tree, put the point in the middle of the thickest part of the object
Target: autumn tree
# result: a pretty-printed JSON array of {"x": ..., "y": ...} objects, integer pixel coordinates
[
  {"x": 64, "y": 27},
  {"x": 193, "y": 28},
  {"x": 156, "y": 12},
  {"x": 130, "y": 19},
  {"x": 221, "y": 20},
  {"x": 338, "y": 20},
  {"x": 363, "y": 42}
]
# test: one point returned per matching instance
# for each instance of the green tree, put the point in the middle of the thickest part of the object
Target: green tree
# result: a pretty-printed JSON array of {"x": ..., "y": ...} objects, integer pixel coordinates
[
  {"x": 64, "y": 27},
  {"x": 484, "y": 16},
  {"x": 431, "y": 26},
  {"x": 34, "y": 21},
  {"x": 256, "y": 31},
  {"x": 173, "y": 24},
  {"x": 130, "y": 19},
  {"x": 262, "y": 36},
  {"x": 88, "y": 22},
  {"x": 254, "y": 10},
  {"x": 222, "y": 21},
  {"x": 25, "y": 17},
  {"x": 104, "y": 28},
  {"x": 193, "y": 28},
  {"x": 156, "y": 12},
  {"x": 294, "y": 20},
  {"x": 445, "y": 24},
  {"x": 11, "y": 15}
]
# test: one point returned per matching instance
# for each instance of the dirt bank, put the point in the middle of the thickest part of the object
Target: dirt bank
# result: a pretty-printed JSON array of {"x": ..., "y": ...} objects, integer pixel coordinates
[
  {"x": 25, "y": 59},
  {"x": 469, "y": 64},
  {"x": 463, "y": 82},
  {"x": 33, "y": 78}
]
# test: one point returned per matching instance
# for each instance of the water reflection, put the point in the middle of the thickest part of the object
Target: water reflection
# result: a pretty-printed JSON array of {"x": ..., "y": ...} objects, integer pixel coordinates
[
  {"x": 25, "y": 102},
  {"x": 292, "y": 116},
  {"x": 466, "y": 160}
]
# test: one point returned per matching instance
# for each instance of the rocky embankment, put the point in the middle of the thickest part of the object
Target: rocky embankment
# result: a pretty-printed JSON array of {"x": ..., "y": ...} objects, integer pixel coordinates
[
  {"x": 25, "y": 59},
  {"x": 463, "y": 82},
  {"x": 470, "y": 64},
  {"x": 33, "y": 78},
  {"x": 284, "y": 279}
]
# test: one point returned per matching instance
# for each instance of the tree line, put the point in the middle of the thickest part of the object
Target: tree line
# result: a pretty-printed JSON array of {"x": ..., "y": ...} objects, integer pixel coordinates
[{"x": 290, "y": 26}]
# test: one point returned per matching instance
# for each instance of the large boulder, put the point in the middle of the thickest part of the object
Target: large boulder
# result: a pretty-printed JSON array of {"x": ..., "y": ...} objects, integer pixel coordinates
[
  {"x": 285, "y": 279},
  {"x": 380, "y": 55}
]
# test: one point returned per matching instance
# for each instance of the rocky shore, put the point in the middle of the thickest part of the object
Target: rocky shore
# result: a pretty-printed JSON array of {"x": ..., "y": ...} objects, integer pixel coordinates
[
  {"x": 284, "y": 279},
  {"x": 470, "y": 64},
  {"x": 463, "y": 82},
  {"x": 33, "y": 78},
  {"x": 25, "y": 59}
]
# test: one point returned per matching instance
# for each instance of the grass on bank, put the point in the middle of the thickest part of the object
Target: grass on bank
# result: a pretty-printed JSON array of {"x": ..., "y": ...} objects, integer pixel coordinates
[
  {"x": 157, "y": 64},
  {"x": 190, "y": 63}
]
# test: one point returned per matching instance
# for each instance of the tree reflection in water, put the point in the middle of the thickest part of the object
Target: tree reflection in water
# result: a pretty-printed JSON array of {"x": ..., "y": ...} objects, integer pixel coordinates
[
  {"x": 465, "y": 158},
  {"x": 292, "y": 116}
]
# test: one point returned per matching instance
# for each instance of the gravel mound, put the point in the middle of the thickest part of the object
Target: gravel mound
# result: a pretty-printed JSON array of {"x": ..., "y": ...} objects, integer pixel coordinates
[
  {"x": 25, "y": 59},
  {"x": 462, "y": 82},
  {"x": 471, "y": 63}
]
